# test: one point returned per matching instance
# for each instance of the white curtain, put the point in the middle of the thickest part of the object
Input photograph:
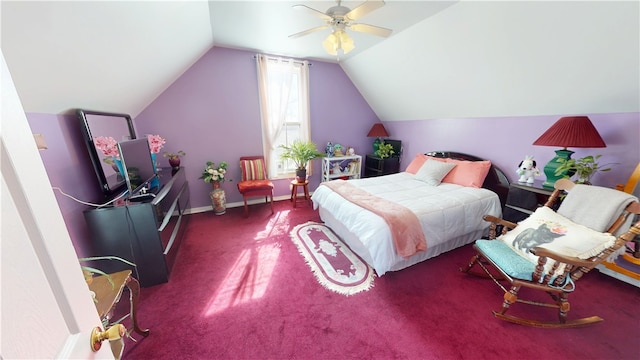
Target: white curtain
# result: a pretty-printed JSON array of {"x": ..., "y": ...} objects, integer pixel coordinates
[{"x": 276, "y": 86}]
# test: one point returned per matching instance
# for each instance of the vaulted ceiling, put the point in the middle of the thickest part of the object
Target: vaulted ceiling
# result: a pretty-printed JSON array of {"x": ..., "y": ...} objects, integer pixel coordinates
[{"x": 444, "y": 59}]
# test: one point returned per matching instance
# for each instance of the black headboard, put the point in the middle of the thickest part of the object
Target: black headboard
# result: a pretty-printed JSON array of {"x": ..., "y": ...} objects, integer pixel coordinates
[{"x": 495, "y": 181}]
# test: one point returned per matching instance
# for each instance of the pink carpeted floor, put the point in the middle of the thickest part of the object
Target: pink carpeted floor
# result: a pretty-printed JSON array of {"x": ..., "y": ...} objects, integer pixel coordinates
[{"x": 240, "y": 290}]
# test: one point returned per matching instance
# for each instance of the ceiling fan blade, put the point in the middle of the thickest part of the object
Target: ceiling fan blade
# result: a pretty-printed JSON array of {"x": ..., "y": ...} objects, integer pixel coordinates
[
  {"x": 363, "y": 9},
  {"x": 313, "y": 12},
  {"x": 308, "y": 31},
  {"x": 370, "y": 29}
]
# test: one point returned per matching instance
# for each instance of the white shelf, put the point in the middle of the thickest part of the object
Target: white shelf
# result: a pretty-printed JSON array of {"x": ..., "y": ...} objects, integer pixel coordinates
[{"x": 328, "y": 163}]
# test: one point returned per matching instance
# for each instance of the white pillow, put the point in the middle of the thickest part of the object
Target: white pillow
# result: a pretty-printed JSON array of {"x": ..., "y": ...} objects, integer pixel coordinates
[
  {"x": 433, "y": 171},
  {"x": 548, "y": 229}
]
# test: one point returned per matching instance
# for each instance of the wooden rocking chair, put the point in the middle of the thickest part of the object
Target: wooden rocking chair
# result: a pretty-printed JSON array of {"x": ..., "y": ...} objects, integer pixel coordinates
[{"x": 521, "y": 259}]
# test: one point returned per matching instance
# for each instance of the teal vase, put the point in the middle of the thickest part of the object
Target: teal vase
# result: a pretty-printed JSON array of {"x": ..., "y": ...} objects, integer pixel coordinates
[
  {"x": 120, "y": 168},
  {"x": 155, "y": 183}
]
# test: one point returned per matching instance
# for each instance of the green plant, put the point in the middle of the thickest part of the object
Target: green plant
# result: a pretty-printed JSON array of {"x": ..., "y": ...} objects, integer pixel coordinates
[
  {"x": 171, "y": 155},
  {"x": 300, "y": 152},
  {"x": 385, "y": 150},
  {"x": 584, "y": 168}
]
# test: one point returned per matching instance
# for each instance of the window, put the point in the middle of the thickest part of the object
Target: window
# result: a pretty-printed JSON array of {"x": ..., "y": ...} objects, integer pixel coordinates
[{"x": 284, "y": 107}]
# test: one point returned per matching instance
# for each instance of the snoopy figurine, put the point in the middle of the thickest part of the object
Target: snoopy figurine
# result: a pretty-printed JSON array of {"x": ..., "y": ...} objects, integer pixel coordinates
[{"x": 527, "y": 170}]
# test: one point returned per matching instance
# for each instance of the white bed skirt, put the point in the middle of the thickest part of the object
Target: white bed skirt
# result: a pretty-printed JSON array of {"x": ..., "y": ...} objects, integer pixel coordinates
[{"x": 400, "y": 263}]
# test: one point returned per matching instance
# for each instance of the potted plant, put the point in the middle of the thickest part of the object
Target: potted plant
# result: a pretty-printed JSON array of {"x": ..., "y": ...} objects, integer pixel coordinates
[
  {"x": 174, "y": 158},
  {"x": 300, "y": 152},
  {"x": 584, "y": 168},
  {"x": 384, "y": 150}
]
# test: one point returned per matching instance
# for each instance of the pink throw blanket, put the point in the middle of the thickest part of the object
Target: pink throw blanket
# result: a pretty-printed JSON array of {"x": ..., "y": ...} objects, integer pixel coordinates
[{"x": 404, "y": 224}]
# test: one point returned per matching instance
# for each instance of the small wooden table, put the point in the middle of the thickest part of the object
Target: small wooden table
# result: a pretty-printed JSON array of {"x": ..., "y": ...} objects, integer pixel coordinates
[
  {"x": 107, "y": 295},
  {"x": 294, "y": 191}
]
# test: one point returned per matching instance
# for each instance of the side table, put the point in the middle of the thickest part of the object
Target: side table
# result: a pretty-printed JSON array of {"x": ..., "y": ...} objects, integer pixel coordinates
[
  {"x": 294, "y": 191},
  {"x": 108, "y": 295},
  {"x": 523, "y": 199}
]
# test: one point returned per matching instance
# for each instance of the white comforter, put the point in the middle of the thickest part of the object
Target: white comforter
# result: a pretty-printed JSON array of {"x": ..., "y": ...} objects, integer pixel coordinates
[{"x": 450, "y": 216}]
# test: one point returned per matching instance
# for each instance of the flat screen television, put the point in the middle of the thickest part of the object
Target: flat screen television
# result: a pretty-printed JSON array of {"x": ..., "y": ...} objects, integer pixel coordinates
[{"x": 138, "y": 166}]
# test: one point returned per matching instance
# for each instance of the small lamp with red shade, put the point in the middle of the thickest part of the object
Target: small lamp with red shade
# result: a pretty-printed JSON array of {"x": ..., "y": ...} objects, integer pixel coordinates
[
  {"x": 568, "y": 131},
  {"x": 377, "y": 131}
]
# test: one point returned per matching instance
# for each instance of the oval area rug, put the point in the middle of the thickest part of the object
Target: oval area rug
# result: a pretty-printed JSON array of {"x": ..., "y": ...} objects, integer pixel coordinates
[{"x": 334, "y": 265}]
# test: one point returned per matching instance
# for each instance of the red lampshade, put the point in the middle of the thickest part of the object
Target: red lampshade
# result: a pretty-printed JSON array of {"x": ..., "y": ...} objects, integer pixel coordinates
[
  {"x": 572, "y": 131},
  {"x": 377, "y": 130}
]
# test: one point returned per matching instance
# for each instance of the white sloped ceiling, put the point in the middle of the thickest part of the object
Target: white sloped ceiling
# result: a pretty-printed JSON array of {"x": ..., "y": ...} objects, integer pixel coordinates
[
  {"x": 511, "y": 58},
  {"x": 445, "y": 59},
  {"x": 110, "y": 55}
]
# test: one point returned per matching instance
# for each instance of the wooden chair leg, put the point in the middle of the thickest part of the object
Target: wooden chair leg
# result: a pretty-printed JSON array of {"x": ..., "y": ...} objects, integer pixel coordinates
[
  {"x": 246, "y": 208},
  {"x": 471, "y": 264},
  {"x": 510, "y": 297},
  {"x": 271, "y": 198},
  {"x": 564, "y": 307}
]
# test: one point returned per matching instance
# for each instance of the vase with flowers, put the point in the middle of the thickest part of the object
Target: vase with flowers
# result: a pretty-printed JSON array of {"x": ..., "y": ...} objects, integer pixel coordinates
[
  {"x": 174, "y": 158},
  {"x": 109, "y": 147},
  {"x": 156, "y": 143},
  {"x": 216, "y": 174}
]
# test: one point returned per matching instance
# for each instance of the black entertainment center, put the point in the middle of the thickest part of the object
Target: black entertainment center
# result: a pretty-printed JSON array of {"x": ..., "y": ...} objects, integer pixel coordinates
[
  {"x": 147, "y": 233},
  {"x": 144, "y": 220}
]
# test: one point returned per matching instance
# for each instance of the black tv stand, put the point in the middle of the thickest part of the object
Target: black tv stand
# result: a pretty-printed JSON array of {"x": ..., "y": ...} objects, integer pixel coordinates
[{"x": 146, "y": 230}]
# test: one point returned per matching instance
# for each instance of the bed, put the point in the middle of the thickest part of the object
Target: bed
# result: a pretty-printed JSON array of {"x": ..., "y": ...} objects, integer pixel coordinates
[{"x": 449, "y": 214}]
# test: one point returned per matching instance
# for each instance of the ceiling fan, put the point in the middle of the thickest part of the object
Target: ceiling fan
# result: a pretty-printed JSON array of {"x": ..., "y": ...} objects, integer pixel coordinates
[{"x": 339, "y": 18}]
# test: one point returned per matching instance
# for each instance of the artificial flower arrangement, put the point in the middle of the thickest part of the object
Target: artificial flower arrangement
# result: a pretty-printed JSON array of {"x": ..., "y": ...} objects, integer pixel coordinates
[
  {"x": 156, "y": 143},
  {"x": 215, "y": 173},
  {"x": 109, "y": 147}
]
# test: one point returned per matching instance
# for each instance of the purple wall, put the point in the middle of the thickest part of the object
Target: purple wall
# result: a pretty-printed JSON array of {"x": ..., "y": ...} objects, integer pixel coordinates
[
  {"x": 69, "y": 168},
  {"x": 212, "y": 113},
  {"x": 506, "y": 141}
]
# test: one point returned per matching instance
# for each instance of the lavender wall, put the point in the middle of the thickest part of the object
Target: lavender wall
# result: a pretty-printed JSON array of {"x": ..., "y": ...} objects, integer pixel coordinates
[
  {"x": 212, "y": 113},
  {"x": 69, "y": 168},
  {"x": 505, "y": 141}
]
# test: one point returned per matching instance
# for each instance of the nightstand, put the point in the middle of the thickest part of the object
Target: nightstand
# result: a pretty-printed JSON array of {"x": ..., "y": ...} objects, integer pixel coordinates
[
  {"x": 375, "y": 166},
  {"x": 523, "y": 199}
]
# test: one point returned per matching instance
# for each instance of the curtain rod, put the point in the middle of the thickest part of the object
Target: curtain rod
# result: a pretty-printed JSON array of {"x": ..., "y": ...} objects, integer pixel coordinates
[{"x": 283, "y": 59}]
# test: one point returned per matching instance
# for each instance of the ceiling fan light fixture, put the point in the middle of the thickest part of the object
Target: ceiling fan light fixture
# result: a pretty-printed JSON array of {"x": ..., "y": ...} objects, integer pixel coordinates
[
  {"x": 331, "y": 44},
  {"x": 346, "y": 42},
  {"x": 338, "y": 40}
]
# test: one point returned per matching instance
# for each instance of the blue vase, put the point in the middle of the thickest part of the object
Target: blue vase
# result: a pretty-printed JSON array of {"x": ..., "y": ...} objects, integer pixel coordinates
[
  {"x": 120, "y": 168},
  {"x": 155, "y": 183}
]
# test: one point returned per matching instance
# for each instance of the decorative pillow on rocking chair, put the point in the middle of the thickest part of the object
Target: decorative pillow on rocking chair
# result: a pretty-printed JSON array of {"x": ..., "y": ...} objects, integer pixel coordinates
[{"x": 546, "y": 228}]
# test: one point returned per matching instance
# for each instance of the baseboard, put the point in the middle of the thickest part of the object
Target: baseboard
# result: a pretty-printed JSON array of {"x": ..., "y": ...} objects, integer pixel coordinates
[{"x": 235, "y": 204}]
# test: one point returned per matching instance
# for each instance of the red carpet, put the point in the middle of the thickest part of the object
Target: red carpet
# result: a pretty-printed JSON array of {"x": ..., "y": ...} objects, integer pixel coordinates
[{"x": 240, "y": 290}]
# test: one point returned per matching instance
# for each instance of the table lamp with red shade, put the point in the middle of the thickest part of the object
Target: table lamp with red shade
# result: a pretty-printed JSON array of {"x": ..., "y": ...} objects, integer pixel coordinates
[
  {"x": 377, "y": 131},
  {"x": 568, "y": 131}
]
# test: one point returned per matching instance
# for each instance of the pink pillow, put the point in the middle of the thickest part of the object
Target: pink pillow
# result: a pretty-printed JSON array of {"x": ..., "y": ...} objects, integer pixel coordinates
[
  {"x": 418, "y": 161},
  {"x": 468, "y": 173}
]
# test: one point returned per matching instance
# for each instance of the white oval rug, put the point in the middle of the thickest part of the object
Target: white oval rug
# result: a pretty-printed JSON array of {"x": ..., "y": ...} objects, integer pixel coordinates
[{"x": 334, "y": 265}]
